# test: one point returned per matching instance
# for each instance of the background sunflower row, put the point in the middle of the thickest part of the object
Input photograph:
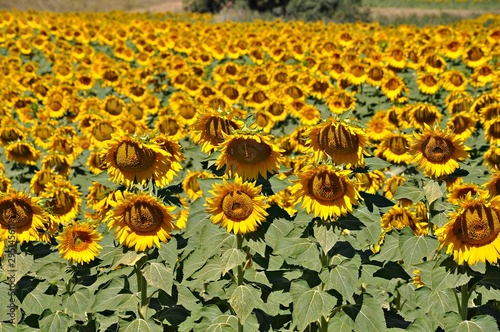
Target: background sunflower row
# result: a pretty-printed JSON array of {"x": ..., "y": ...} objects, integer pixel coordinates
[{"x": 111, "y": 122}]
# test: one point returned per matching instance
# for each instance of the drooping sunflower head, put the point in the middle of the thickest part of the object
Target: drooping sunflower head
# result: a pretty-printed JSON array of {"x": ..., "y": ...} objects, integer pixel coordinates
[
  {"x": 493, "y": 185},
  {"x": 132, "y": 159},
  {"x": 458, "y": 190},
  {"x": 395, "y": 148},
  {"x": 139, "y": 220},
  {"x": 63, "y": 200},
  {"x": 344, "y": 143},
  {"x": 326, "y": 192},
  {"x": 463, "y": 124},
  {"x": 22, "y": 152},
  {"x": 249, "y": 156},
  {"x": 210, "y": 128},
  {"x": 190, "y": 183},
  {"x": 237, "y": 206},
  {"x": 370, "y": 182},
  {"x": 492, "y": 158},
  {"x": 21, "y": 214},
  {"x": 471, "y": 235},
  {"x": 438, "y": 151},
  {"x": 397, "y": 217},
  {"x": 78, "y": 243},
  {"x": 423, "y": 114}
]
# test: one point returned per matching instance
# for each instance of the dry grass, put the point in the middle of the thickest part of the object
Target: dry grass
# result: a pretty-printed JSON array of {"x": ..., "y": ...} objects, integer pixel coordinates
[{"x": 92, "y": 5}]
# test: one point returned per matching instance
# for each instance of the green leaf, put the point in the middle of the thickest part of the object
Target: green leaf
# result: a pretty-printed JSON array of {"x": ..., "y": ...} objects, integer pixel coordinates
[
  {"x": 209, "y": 272},
  {"x": 7, "y": 327},
  {"x": 243, "y": 300},
  {"x": 292, "y": 247},
  {"x": 436, "y": 303},
  {"x": 310, "y": 306},
  {"x": 438, "y": 276},
  {"x": 483, "y": 323},
  {"x": 143, "y": 326},
  {"x": 277, "y": 230},
  {"x": 206, "y": 185},
  {"x": 325, "y": 236},
  {"x": 159, "y": 276},
  {"x": 341, "y": 322},
  {"x": 374, "y": 163},
  {"x": 224, "y": 323},
  {"x": 433, "y": 191},
  {"x": 415, "y": 249},
  {"x": 168, "y": 252},
  {"x": 389, "y": 250},
  {"x": 36, "y": 302},
  {"x": 128, "y": 259},
  {"x": 409, "y": 191},
  {"x": 79, "y": 302},
  {"x": 370, "y": 317},
  {"x": 52, "y": 272},
  {"x": 211, "y": 240},
  {"x": 106, "y": 300},
  {"x": 232, "y": 258},
  {"x": 197, "y": 218},
  {"x": 57, "y": 321},
  {"x": 278, "y": 185},
  {"x": 193, "y": 263},
  {"x": 343, "y": 278}
]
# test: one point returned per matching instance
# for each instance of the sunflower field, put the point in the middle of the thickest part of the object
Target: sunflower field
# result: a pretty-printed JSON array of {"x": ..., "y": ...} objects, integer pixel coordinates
[{"x": 164, "y": 172}]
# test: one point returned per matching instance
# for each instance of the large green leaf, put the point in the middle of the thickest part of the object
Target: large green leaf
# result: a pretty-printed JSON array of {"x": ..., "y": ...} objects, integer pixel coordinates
[
  {"x": 368, "y": 316},
  {"x": 341, "y": 322},
  {"x": 128, "y": 259},
  {"x": 197, "y": 218},
  {"x": 277, "y": 230},
  {"x": 210, "y": 272},
  {"x": 211, "y": 240},
  {"x": 57, "y": 321},
  {"x": 409, "y": 191},
  {"x": 390, "y": 250},
  {"x": 168, "y": 252},
  {"x": 143, "y": 326},
  {"x": 108, "y": 300},
  {"x": 79, "y": 302},
  {"x": 224, "y": 323},
  {"x": 309, "y": 304},
  {"x": 343, "y": 278},
  {"x": 415, "y": 249},
  {"x": 293, "y": 247},
  {"x": 232, "y": 258},
  {"x": 433, "y": 191},
  {"x": 243, "y": 300},
  {"x": 36, "y": 302},
  {"x": 158, "y": 275},
  {"x": 325, "y": 236}
]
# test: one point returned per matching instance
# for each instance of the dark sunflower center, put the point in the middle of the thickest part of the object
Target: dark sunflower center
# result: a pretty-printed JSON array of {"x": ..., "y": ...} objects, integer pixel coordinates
[
  {"x": 398, "y": 145},
  {"x": 187, "y": 111},
  {"x": 494, "y": 130},
  {"x": 129, "y": 157},
  {"x": 81, "y": 240},
  {"x": 477, "y": 225},
  {"x": 193, "y": 184},
  {"x": 376, "y": 73},
  {"x": 22, "y": 150},
  {"x": 437, "y": 149},
  {"x": 425, "y": 115},
  {"x": 338, "y": 140},
  {"x": 326, "y": 186},
  {"x": 113, "y": 107},
  {"x": 248, "y": 151},
  {"x": 143, "y": 217},
  {"x": 169, "y": 127},
  {"x": 62, "y": 203},
  {"x": 216, "y": 128},
  {"x": 460, "y": 124},
  {"x": 15, "y": 213},
  {"x": 276, "y": 109},
  {"x": 462, "y": 192},
  {"x": 102, "y": 131},
  {"x": 237, "y": 205}
]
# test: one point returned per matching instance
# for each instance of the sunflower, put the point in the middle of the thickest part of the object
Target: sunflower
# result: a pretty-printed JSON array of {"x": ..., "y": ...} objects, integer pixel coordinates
[
  {"x": 309, "y": 115},
  {"x": 237, "y": 206},
  {"x": 492, "y": 130},
  {"x": 5, "y": 183},
  {"x": 210, "y": 128},
  {"x": 472, "y": 234},
  {"x": 344, "y": 143},
  {"x": 370, "y": 182},
  {"x": 462, "y": 103},
  {"x": 139, "y": 220},
  {"x": 392, "y": 184},
  {"x": 133, "y": 159},
  {"x": 437, "y": 151},
  {"x": 249, "y": 155},
  {"x": 428, "y": 83},
  {"x": 21, "y": 214},
  {"x": 422, "y": 114},
  {"x": 492, "y": 158},
  {"x": 22, "y": 152},
  {"x": 394, "y": 88},
  {"x": 434, "y": 63},
  {"x": 169, "y": 125},
  {"x": 78, "y": 243},
  {"x": 493, "y": 185},
  {"x": 463, "y": 124},
  {"x": 477, "y": 55},
  {"x": 397, "y": 217},
  {"x": 395, "y": 148},
  {"x": 97, "y": 162},
  {"x": 458, "y": 190},
  {"x": 190, "y": 183},
  {"x": 63, "y": 200},
  {"x": 454, "y": 80},
  {"x": 285, "y": 200},
  {"x": 379, "y": 127},
  {"x": 326, "y": 192},
  {"x": 60, "y": 163},
  {"x": 40, "y": 180}
]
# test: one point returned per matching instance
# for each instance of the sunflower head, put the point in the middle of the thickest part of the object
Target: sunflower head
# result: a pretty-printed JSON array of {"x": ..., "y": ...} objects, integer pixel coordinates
[
  {"x": 139, "y": 220},
  {"x": 78, "y": 243},
  {"x": 438, "y": 151},
  {"x": 471, "y": 235},
  {"x": 210, "y": 128},
  {"x": 249, "y": 156},
  {"x": 237, "y": 206}
]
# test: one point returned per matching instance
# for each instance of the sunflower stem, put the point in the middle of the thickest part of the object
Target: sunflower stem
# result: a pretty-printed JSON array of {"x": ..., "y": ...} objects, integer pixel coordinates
[
  {"x": 142, "y": 287},
  {"x": 239, "y": 277},
  {"x": 464, "y": 302}
]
